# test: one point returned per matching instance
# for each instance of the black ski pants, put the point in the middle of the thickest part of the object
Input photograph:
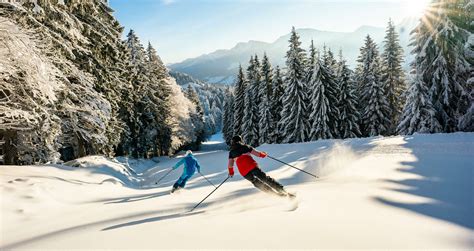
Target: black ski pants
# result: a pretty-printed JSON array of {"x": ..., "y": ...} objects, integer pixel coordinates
[{"x": 264, "y": 182}]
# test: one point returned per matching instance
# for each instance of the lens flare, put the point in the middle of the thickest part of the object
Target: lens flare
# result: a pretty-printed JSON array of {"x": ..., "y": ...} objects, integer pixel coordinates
[{"x": 415, "y": 8}]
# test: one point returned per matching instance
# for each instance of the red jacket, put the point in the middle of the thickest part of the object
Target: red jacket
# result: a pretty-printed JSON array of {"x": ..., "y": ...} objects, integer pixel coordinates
[{"x": 245, "y": 164}]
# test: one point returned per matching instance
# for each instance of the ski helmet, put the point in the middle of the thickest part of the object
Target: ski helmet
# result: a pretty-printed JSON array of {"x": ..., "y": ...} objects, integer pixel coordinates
[{"x": 236, "y": 139}]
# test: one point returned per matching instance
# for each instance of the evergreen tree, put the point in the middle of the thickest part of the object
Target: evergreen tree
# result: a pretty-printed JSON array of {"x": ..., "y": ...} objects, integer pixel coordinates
[
  {"x": 419, "y": 115},
  {"x": 393, "y": 74},
  {"x": 239, "y": 102},
  {"x": 329, "y": 61},
  {"x": 256, "y": 81},
  {"x": 440, "y": 62},
  {"x": 349, "y": 116},
  {"x": 466, "y": 121},
  {"x": 155, "y": 65},
  {"x": 197, "y": 118},
  {"x": 313, "y": 59},
  {"x": 324, "y": 111},
  {"x": 107, "y": 92},
  {"x": 294, "y": 116},
  {"x": 375, "y": 110},
  {"x": 313, "y": 56},
  {"x": 209, "y": 125},
  {"x": 139, "y": 78},
  {"x": 277, "y": 105},
  {"x": 265, "y": 92},
  {"x": 228, "y": 117},
  {"x": 464, "y": 21},
  {"x": 127, "y": 106},
  {"x": 159, "y": 133},
  {"x": 137, "y": 54},
  {"x": 216, "y": 114},
  {"x": 249, "y": 127},
  {"x": 267, "y": 77}
]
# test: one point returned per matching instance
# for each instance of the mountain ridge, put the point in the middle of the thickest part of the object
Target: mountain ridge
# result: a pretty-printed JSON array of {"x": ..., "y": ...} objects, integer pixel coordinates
[{"x": 220, "y": 66}]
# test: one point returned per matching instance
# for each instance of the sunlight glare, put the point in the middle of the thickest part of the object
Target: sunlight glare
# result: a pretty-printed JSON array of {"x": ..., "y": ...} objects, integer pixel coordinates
[{"x": 415, "y": 8}]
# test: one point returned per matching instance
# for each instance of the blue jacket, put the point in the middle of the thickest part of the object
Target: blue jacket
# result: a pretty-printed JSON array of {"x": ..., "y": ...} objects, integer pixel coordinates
[{"x": 190, "y": 164}]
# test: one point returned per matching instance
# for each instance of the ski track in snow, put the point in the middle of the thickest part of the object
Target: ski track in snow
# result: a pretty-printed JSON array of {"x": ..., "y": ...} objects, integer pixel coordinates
[{"x": 397, "y": 192}]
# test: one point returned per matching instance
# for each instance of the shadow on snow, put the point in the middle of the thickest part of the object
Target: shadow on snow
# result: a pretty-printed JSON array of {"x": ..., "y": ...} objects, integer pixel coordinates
[{"x": 447, "y": 179}]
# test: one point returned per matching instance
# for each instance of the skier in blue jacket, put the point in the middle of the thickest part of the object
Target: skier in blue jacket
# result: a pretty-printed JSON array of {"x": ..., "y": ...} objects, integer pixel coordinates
[{"x": 190, "y": 166}]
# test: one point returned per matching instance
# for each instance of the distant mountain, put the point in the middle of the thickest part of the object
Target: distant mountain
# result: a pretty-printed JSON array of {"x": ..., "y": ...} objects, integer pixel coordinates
[{"x": 221, "y": 66}]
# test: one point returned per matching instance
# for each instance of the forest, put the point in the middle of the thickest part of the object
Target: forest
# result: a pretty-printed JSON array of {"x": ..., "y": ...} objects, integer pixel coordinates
[
  {"x": 70, "y": 86},
  {"x": 317, "y": 96}
]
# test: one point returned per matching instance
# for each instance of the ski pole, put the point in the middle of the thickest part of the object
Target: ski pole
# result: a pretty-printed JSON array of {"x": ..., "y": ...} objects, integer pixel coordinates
[
  {"x": 292, "y": 166},
  {"x": 156, "y": 183},
  {"x": 210, "y": 193},
  {"x": 207, "y": 179}
]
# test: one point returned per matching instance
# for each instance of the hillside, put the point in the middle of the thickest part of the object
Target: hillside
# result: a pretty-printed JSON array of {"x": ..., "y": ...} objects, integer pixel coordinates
[
  {"x": 411, "y": 192},
  {"x": 221, "y": 66}
]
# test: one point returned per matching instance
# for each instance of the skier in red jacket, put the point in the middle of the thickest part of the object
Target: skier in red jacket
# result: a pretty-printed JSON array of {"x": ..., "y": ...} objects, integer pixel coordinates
[{"x": 248, "y": 167}]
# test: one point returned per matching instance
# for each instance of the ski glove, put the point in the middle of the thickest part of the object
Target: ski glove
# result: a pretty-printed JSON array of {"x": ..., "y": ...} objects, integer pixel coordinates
[
  {"x": 263, "y": 154},
  {"x": 231, "y": 172}
]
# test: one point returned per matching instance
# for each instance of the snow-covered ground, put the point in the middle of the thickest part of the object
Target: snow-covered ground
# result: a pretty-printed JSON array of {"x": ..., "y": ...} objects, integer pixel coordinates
[{"x": 399, "y": 192}]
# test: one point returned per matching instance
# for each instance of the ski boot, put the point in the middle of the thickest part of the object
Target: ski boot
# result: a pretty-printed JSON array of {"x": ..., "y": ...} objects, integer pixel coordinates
[{"x": 174, "y": 189}]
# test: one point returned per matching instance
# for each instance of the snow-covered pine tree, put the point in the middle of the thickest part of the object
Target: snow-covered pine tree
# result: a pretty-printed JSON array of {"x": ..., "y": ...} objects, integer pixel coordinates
[
  {"x": 140, "y": 80},
  {"x": 158, "y": 134},
  {"x": 95, "y": 89},
  {"x": 440, "y": 62},
  {"x": 255, "y": 82},
  {"x": 239, "y": 101},
  {"x": 312, "y": 57},
  {"x": 250, "y": 121},
  {"x": 215, "y": 96},
  {"x": 157, "y": 68},
  {"x": 267, "y": 77},
  {"x": 137, "y": 54},
  {"x": 324, "y": 112},
  {"x": 349, "y": 115},
  {"x": 418, "y": 115},
  {"x": 294, "y": 116},
  {"x": 197, "y": 118},
  {"x": 462, "y": 17},
  {"x": 209, "y": 125},
  {"x": 206, "y": 105},
  {"x": 461, "y": 14},
  {"x": 329, "y": 61},
  {"x": 266, "y": 124},
  {"x": 466, "y": 121},
  {"x": 393, "y": 75},
  {"x": 126, "y": 102},
  {"x": 228, "y": 117},
  {"x": 215, "y": 115},
  {"x": 375, "y": 110},
  {"x": 82, "y": 115},
  {"x": 277, "y": 105}
]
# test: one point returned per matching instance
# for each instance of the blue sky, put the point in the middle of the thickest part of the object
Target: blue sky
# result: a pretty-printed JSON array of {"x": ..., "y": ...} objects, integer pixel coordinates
[{"x": 181, "y": 29}]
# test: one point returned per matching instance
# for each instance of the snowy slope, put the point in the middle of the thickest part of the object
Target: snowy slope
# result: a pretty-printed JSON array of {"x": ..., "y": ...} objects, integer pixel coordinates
[{"x": 399, "y": 192}]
